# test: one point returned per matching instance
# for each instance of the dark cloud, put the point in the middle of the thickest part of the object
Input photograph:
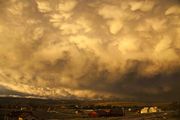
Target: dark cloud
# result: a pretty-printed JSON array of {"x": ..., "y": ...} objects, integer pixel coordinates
[
  {"x": 5, "y": 92},
  {"x": 80, "y": 48}
]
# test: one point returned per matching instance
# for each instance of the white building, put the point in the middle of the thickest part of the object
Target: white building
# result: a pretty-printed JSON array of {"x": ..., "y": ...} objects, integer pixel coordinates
[{"x": 150, "y": 110}]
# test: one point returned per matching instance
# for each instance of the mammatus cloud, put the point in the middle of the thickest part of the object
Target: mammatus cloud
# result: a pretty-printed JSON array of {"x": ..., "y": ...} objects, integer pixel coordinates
[{"x": 128, "y": 49}]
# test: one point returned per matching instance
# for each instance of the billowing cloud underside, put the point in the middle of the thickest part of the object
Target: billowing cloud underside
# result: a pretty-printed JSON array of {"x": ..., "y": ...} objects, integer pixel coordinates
[{"x": 127, "y": 49}]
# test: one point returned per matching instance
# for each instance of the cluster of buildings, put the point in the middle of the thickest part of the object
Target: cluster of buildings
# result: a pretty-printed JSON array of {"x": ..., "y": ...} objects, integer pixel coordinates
[
  {"x": 107, "y": 113},
  {"x": 150, "y": 110},
  {"x": 20, "y": 115},
  {"x": 24, "y": 114},
  {"x": 116, "y": 112},
  {"x": 102, "y": 112}
]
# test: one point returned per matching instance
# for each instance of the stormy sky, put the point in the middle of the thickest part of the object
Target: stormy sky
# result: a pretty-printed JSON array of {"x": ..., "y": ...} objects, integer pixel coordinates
[{"x": 126, "y": 49}]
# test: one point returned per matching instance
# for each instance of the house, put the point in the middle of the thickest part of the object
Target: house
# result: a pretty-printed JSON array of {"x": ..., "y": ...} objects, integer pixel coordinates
[
  {"x": 116, "y": 112},
  {"x": 150, "y": 110},
  {"x": 144, "y": 110},
  {"x": 107, "y": 113},
  {"x": 21, "y": 115},
  {"x": 93, "y": 114},
  {"x": 102, "y": 113},
  {"x": 153, "y": 109}
]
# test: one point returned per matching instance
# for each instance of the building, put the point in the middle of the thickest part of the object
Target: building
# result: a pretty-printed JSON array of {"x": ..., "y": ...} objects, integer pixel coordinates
[
  {"x": 150, "y": 110},
  {"x": 107, "y": 113},
  {"x": 93, "y": 114},
  {"x": 21, "y": 115},
  {"x": 116, "y": 112}
]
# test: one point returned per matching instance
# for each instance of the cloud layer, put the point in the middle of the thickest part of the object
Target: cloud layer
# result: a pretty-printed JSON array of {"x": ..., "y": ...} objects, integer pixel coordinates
[{"x": 128, "y": 49}]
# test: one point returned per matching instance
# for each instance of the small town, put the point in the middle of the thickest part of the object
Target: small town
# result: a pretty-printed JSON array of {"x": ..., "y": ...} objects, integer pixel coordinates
[{"x": 90, "y": 110}]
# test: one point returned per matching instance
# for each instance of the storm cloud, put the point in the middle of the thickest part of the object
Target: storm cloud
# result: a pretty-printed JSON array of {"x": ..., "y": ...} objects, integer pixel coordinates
[{"x": 127, "y": 49}]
